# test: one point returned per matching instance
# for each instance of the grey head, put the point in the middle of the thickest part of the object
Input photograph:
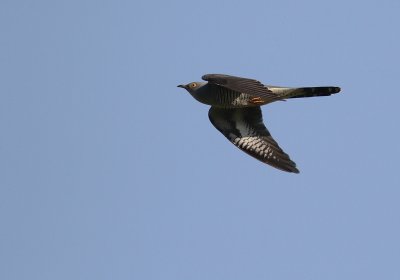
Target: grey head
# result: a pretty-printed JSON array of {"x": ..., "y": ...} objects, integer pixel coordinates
[
  {"x": 200, "y": 91},
  {"x": 193, "y": 86}
]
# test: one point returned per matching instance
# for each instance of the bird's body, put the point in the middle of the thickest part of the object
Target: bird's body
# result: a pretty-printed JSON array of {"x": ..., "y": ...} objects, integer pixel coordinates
[
  {"x": 235, "y": 112},
  {"x": 215, "y": 95}
]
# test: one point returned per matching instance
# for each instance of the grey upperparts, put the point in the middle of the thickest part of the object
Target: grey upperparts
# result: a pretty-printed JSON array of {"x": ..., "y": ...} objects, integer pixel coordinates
[{"x": 235, "y": 112}]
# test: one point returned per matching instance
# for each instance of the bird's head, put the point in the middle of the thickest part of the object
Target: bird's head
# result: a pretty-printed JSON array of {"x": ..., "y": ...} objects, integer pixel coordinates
[{"x": 193, "y": 86}]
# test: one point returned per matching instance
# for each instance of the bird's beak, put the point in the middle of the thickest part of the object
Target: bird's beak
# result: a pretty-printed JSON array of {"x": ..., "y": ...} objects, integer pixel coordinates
[{"x": 182, "y": 86}]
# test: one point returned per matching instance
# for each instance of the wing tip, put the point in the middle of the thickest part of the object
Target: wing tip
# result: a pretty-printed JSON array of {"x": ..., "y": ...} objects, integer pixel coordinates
[
  {"x": 295, "y": 170},
  {"x": 289, "y": 168}
]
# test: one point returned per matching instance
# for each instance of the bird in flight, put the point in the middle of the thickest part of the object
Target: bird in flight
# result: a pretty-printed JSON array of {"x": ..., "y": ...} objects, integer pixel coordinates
[{"x": 235, "y": 112}]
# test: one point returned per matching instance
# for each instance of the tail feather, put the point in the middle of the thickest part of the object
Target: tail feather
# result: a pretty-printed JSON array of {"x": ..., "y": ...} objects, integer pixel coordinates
[{"x": 312, "y": 91}]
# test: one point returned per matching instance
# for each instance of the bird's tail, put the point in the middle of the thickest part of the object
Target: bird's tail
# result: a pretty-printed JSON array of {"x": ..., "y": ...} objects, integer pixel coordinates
[{"x": 286, "y": 93}]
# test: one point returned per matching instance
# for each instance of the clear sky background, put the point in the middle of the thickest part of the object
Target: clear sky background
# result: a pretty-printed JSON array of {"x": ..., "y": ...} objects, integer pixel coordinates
[{"x": 109, "y": 171}]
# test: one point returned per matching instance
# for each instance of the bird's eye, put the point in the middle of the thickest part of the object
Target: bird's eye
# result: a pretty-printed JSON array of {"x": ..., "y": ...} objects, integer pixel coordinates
[{"x": 193, "y": 85}]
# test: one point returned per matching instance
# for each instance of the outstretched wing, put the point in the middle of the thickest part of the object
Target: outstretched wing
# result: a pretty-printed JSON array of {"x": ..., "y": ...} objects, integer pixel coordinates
[
  {"x": 244, "y": 127},
  {"x": 243, "y": 85}
]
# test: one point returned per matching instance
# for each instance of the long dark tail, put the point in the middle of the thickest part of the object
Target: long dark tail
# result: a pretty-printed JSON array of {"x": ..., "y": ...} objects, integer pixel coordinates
[{"x": 311, "y": 92}]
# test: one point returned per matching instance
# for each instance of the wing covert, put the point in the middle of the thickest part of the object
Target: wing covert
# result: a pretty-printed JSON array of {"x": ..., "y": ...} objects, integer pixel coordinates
[{"x": 243, "y": 85}]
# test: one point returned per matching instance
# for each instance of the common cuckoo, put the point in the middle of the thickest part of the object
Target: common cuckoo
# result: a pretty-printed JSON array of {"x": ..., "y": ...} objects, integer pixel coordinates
[{"x": 235, "y": 112}]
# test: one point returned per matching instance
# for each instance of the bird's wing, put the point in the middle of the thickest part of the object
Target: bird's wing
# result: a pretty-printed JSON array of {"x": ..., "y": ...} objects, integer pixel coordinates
[
  {"x": 244, "y": 127},
  {"x": 243, "y": 85}
]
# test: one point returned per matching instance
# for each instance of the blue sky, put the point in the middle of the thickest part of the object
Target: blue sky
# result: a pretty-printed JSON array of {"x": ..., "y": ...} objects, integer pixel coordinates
[{"x": 109, "y": 171}]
